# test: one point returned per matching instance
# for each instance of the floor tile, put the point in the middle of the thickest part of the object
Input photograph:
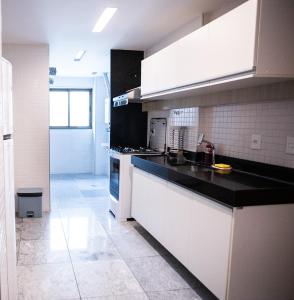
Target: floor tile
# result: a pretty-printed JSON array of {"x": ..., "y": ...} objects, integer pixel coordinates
[
  {"x": 105, "y": 278},
  {"x": 80, "y": 225},
  {"x": 189, "y": 278},
  {"x": 17, "y": 244},
  {"x": 37, "y": 252},
  {"x": 100, "y": 298},
  {"x": 112, "y": 226},
  {"x": 112, "y": 260},
  {"x": 185, "y": 294},
  {"x": 150, "y": 239},
  {"x": 139, "y": 296},
  {"x": 18, "y": 223},
  {"x": 17, "y": 233},
  {"x": 45, "y": 219},
  {"x": 155, "y": 274},
  {"x": 91, "y": 193},
  {"x": 92, "y": 249},
  {"x": 42, "y": 231},
  {"x": 132, "y": 244},
  {"x": 47, "y": 282}
]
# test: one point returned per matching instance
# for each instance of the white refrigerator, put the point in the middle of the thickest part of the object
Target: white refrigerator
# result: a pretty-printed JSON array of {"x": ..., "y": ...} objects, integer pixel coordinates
[{"x": 9, "y": 288}]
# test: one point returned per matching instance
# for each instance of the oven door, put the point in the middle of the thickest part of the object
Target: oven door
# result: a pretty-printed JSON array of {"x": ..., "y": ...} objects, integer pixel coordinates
[{"x": 114, "y": 177}]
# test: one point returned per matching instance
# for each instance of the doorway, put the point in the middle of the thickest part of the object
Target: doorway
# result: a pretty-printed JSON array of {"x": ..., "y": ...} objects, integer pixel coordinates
[{"x": 79, "y": 123}]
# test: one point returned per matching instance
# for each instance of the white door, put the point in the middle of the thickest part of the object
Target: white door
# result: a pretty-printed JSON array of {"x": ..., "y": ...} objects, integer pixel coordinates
[
  {"x": 176, "y": 221},
  {"x": 232, "y": 40},
  {"x": 147, "y": 205},
  {"x": 209, "y": 243},
  {"x": 10, "y": 216},
  {"x": 3, "y": 270}
]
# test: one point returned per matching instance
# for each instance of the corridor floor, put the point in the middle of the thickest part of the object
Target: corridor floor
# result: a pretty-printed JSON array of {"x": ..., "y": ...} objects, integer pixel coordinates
[{"x": 79, "y": 251}]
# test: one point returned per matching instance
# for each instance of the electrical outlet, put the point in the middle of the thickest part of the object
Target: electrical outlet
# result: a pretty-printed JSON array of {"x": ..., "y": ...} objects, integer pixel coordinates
[
  {"x": 290, "y": 145},
  {"x": 256, "y": 141}
]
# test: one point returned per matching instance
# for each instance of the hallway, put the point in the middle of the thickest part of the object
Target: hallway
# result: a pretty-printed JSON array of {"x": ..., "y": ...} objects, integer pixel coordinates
[{"x": 79, "y": 251}]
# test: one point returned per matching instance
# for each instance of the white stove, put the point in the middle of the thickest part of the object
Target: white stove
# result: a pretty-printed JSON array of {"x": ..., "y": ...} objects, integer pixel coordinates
[
  {"x": 120, "y": 183},
  {"x": 129, "y": 150}
]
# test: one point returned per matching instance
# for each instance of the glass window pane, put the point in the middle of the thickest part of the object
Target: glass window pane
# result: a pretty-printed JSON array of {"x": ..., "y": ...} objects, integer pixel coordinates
[
  {"x": 79, "y": 108},
  {"x": 58, "y": 108}
]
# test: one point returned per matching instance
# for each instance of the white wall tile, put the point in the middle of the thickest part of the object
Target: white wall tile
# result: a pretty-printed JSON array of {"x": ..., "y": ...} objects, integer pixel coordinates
[
  {"x": 232, "y": 132},
  {"x": 230, "y": 128}
]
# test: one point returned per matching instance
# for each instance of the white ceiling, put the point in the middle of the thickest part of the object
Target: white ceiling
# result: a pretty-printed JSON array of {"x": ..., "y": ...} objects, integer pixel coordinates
[{"x": 67, "y": 27}]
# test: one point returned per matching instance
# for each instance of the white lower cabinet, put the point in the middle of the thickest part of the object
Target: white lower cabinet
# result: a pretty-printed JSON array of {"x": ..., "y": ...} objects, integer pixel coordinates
[
  {"x": 240, "y": 254},
  {"x": 176, "y": 223},
  {"x": 149, "y": 209},
  {"x": 194, "y": 229},
  {"x": 209, "y": 243}
]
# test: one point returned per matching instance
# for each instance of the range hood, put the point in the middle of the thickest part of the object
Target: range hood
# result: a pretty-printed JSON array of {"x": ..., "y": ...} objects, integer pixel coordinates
[{"x": 131, "y": 96}]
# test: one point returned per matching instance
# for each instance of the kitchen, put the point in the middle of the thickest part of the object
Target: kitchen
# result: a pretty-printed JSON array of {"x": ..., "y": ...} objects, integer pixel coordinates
[{"x": 200, "y": 202}]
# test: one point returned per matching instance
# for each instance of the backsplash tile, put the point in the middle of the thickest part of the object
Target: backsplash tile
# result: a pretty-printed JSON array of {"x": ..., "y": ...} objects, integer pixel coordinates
[
  {"x": 230, "y": 128},
  {"x": 186, "y": 119}
]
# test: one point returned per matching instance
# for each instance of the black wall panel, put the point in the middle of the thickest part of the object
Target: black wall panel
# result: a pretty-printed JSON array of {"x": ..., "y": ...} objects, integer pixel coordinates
[{"x": 128, "y": 123}]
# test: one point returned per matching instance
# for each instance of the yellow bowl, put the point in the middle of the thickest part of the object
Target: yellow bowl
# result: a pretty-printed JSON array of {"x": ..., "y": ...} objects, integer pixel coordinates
[{"x": 222, "y": 166}]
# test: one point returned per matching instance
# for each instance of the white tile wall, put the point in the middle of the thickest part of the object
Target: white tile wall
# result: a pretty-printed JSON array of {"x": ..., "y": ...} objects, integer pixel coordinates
[
  {"x": 31, "y": 115},
  {"x": 186, "y": 118},
  {"x": 230, "y": 128}
]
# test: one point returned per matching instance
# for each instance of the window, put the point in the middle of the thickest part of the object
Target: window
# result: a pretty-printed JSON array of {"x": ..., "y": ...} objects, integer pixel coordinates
[{"x": 70, "y": 108}]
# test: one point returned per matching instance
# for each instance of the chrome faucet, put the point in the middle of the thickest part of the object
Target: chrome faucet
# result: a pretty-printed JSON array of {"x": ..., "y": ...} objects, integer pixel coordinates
[{"x": 201, "y": 140}]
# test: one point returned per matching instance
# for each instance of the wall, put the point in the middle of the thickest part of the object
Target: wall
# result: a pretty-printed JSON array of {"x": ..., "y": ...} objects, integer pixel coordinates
[
  {"x": 224, "y": 8},
  {"x": 188, "y": 118},
  {"x": 198, "y": 22},
  {"x": 71, "y": 150},
  {"x": 265, "y": 110},
  {"x": 72, "y": 82},
  {"x": 230, "y": 127},
  {"x": 31, "y": 115},
  {"x": 101, "y": 156},
  {"x": 176, "y": 35}
]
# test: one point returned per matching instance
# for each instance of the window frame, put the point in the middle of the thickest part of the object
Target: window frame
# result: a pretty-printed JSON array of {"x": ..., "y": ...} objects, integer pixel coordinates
[{"x": 68, "y": 90}]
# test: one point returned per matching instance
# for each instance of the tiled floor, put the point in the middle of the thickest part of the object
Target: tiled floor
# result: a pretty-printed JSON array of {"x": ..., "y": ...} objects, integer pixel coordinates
[{"x": 79, "y": 251}]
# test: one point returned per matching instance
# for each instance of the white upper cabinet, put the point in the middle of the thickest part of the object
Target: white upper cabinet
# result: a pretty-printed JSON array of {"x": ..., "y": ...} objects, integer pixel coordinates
[
  {"x": 182, "y": 63},
  {"x": 252, "y": 40},
  {"x": 232, "y": 41}
]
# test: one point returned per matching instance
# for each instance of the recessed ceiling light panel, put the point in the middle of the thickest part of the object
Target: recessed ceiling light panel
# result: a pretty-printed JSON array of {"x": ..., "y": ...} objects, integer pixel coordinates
[
  {"x": 104, "y": 19},
  {"x": 80, "y": 55}
]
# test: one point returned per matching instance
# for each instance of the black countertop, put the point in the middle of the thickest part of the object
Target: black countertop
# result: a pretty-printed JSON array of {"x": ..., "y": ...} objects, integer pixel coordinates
[{"x": 235, "y": 189}]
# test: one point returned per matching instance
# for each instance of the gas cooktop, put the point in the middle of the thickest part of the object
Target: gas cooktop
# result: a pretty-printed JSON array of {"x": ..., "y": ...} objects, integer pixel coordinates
[{"x": 129, "y": 150}]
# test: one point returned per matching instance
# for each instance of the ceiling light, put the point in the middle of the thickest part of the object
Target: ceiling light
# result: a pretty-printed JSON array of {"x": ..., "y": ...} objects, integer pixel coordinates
[
  {"x": 104, "y": 19},
  {"x": 80, "y": 55}
]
